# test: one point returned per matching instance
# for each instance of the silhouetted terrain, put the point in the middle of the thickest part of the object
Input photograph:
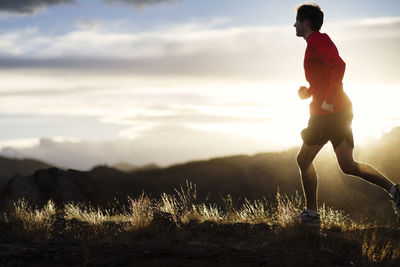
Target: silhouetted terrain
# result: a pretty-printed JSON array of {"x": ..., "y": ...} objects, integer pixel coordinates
[
  {"x": 260, "y": 175},
  {"x": 200, "y": 225},
  {"x": 8, "y": 167},
  {"x": 242, "y": 175},
  {"x": 178, "y": 230},
  {"x": 254, "y": 177},
  {"x": 55, "y": 184}
]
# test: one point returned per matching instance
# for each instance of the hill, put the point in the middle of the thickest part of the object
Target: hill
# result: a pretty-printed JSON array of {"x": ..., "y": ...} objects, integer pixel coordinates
[
  {"x": 8, "y": 167},
  {"x": 180, "y": 231},
  {"x": 240, "y": 175},
  {"x": 254, "y": 177},
  {"x": 262, "y": 174}
]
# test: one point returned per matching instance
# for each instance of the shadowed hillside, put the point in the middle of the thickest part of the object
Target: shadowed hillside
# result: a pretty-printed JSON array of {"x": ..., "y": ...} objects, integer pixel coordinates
[
  {"x": 179, "y": 230},
  {"x": 235, "y": 211},
  {"x": 242, "y": 175},
  {"x": 255, "y": 177},
  {"x": 8, "y": 167},
  {"x": 260, "y": 175}
]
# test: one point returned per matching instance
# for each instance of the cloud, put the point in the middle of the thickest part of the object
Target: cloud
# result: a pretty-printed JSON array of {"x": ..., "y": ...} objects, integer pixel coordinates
[
  {"x": 29, "y": 6},
  {"x": 159, "y": 120},
  {"x": 370, "y": 48},
  {"x": 367, "y": 29},
  {"x": 34, "y": 6},
  {"x": 161, "y": 145},
  {"x": 161, "y": 132},
  {"x": 87, "y": 24},
  {"x": 142, "y": 3},
  {"x": 203, "y": 50},
  {"x": 182, "y": 50}
]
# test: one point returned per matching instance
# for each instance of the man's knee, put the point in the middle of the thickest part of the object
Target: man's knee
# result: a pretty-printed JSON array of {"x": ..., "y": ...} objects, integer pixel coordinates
[
  {"x": 348, "y": 168},
  {"x": 302, "y": 162}
]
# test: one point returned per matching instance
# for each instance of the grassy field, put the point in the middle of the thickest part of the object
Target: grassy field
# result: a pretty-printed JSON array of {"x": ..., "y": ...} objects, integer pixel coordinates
[{"x": 179, "y": 230}]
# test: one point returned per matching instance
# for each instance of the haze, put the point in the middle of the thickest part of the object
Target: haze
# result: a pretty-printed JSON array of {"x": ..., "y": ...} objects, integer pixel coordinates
[{"x": 100, "y": 82}]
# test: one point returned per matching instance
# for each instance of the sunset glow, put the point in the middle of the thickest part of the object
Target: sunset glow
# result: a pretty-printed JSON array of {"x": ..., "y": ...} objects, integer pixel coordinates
[{"x": 175, "y": 81}]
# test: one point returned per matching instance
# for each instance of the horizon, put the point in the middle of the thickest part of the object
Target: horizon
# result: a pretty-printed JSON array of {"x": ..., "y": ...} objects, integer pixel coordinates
[{"x": 172, "y": 81}]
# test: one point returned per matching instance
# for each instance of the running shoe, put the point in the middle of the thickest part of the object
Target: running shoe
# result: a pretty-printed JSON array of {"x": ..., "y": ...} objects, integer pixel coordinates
[
  {"x": 396, "y": 199},
  {"x": 308, "y": 220}
]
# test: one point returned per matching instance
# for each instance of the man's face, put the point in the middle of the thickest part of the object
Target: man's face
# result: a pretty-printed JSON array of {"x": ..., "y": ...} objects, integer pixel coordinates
[{"x": 299, "y": 27}]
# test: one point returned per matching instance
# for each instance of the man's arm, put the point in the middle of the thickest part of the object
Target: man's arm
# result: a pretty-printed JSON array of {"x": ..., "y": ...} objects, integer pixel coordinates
[{"x": 304, "y": 92}]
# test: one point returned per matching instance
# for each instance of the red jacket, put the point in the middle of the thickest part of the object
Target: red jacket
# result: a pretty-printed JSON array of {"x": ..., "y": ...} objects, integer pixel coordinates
[{"x": 324, "y": 70}]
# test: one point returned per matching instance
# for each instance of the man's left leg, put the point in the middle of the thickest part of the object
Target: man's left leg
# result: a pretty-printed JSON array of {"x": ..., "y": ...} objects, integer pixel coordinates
[
  {"x": 344, "y": 154},
  {"x": 309, "y": 178}
]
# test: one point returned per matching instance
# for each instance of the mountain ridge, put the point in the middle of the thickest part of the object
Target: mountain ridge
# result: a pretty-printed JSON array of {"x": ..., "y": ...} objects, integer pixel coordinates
[{"x": 259, "y": 175}]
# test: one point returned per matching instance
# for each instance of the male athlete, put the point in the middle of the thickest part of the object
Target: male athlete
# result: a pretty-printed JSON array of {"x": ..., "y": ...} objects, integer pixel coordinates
[{"x": 330, "y": 113}]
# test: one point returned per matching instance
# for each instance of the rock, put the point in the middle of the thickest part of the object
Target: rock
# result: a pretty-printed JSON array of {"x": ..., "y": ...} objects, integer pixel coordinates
[
  {"x": 21, "y": 186},
  {"x": 58, "y": 185},
  {"x": 164, "y": 218}
]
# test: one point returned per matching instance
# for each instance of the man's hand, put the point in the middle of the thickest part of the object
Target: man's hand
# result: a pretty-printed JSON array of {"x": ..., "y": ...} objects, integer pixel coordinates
[
  {"x": 327, "y": 107},
  {"x": 303, "y": 92}
]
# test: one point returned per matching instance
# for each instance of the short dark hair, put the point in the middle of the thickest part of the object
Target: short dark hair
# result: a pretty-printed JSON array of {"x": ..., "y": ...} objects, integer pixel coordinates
[{"x": 313, "y": 13}]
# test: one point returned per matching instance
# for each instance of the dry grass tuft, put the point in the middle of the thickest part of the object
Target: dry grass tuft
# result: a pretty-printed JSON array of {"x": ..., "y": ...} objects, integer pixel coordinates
[
  {"x": 139, "y": 213},
  {"x": 93, "y": 220},
  {"x": 136, "y": 216},
  {"x": 287, "y": 209},
  {"x": 183, "y": 205},
  {"x": 254, "y": 212},
  {"x": 379, "y": 251},
  {"x": 83, "y": 213},
  {"x": 33, "y": 220},
  {"x": 332, "y": 219},
  {"x": 85, "y": 222},
  {"x": 209, "y": 213}
]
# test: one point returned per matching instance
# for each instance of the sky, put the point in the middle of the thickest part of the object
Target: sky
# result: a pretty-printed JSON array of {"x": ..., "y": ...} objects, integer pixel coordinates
[{"x": 90, "y": 82}]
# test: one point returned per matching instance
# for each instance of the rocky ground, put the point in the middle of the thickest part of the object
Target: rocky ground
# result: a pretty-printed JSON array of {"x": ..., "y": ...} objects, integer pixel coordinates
[{"x": 198, "y": 244}]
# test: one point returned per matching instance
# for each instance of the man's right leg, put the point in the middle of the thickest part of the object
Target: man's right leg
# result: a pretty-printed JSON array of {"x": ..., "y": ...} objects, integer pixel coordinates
[{"x": 309, "y": 179}]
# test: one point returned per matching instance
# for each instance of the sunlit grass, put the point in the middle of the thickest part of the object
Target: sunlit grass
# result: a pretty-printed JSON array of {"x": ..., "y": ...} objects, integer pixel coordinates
[
  {"x": 184, "y": 207},
  {"x": 287, "y": 209},
  {"x": 135, "y": 216},
  {"x": 139, "y": 213},
  {"x": 33, "y": 220},
  {"x": 85, "y": 222},
  {"x": 333, "y": 219},
  {"x": 377, "y": 250},
  {"x": 253, "y": 212}
]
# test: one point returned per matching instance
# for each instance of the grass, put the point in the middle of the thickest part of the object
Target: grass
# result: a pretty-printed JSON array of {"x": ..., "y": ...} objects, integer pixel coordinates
[
  {"x": 34, "y": 221},
  {"x": 377, "y": 250},
  {"x": 141, "y": 216}
]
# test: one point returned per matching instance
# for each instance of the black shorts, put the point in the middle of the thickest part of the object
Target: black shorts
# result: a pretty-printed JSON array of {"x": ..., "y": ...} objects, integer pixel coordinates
[{"x": 334, "y": 127}]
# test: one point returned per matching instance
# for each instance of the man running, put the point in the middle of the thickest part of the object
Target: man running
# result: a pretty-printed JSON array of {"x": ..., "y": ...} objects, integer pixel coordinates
[{"x": 330, "y": 113}]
